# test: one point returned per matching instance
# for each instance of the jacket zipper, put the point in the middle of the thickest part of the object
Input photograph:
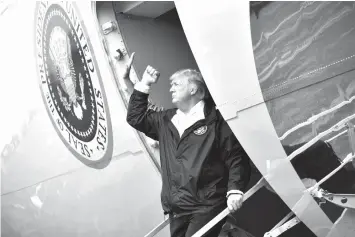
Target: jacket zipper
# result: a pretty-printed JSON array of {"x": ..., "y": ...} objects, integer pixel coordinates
[
  {"x": 169, "y": 196},
  {"x": 177, "y": 147}
]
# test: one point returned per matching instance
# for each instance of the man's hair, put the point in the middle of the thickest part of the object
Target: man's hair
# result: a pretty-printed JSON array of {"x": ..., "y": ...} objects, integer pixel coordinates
[{"x": 195, "y": 77}]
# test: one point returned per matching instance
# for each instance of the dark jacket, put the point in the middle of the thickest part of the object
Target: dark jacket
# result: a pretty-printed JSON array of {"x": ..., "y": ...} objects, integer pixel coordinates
[{"x": 199, "y": 168}]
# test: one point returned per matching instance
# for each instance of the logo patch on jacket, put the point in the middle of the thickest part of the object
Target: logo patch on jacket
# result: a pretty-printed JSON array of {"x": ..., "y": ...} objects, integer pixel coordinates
[{"x": 201, "y": 130}]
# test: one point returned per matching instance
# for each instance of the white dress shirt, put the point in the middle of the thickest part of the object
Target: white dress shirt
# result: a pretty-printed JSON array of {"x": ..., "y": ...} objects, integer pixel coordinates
[{"x": 182, "y": 120}]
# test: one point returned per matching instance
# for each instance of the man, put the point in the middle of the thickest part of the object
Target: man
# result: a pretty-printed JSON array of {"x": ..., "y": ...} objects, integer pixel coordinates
[{"x": 204, "y": 168}]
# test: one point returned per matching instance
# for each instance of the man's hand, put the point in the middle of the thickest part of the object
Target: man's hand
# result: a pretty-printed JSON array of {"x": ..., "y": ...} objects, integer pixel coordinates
[
  {"x": 150, "y": 76},
  {"x": 234, "y": 202},
  {"x": 128, "y": 67}
]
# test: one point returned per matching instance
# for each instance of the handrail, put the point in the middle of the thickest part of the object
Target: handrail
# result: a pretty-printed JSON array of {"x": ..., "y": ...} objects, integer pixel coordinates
[
  {"x": 317, "y": 116},
  {"x": 334, "y": 128},
  {"x": 282, "y": 226},
  {"x": 158, "y": 228},
  {"x": 225, "y": 212},
  {"x": 336, "y": 136},
  {"x": 260, "y": 183},
  {"x": 287, "y": 217}
]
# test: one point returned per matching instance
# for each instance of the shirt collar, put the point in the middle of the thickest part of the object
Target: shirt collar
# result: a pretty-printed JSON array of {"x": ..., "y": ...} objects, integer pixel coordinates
[{"x": 198, "y": 109}]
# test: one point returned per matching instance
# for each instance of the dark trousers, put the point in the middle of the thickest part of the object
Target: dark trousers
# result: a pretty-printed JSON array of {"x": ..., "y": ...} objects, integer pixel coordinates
[{"x": 186, "y": 226}]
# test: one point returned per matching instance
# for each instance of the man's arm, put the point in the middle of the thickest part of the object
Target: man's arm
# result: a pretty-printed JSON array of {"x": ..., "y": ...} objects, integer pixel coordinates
[
  {"x": 237, "y": 162},
  {"x": 138, "y": 115}
]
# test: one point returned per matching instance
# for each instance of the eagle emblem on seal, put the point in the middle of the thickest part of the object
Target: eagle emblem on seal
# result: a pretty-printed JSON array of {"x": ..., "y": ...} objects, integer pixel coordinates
[{"x": 66, "y": 78}]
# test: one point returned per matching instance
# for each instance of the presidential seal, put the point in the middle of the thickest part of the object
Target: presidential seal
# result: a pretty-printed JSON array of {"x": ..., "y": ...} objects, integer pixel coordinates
[
  {"x": 71, "y": 84},
  {"x": 201, "y": 130}
]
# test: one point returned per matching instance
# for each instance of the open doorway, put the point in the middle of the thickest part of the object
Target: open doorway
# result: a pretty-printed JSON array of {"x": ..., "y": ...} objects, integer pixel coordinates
[
  {"x": 159, "y": 40},
  {"x": 153, "y": 31}
]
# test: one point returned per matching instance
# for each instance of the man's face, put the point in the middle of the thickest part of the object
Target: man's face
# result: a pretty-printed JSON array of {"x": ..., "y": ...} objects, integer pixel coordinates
[{"x": 180, "y": 90}]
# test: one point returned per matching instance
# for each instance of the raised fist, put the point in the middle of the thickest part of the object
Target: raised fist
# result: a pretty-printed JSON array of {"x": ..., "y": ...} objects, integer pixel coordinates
[{"x": 150, "y": 76}]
